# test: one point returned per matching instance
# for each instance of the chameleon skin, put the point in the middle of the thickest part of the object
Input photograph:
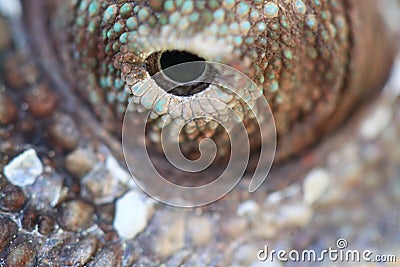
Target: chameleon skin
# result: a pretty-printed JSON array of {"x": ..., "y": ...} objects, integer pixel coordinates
[{"x": 306, "y": 55}]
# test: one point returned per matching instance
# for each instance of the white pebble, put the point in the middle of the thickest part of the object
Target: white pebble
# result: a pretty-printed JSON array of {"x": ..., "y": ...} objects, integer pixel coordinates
[
  {"x": 393, "y": 84},
  {"x": 118, "y": 172},
  {"x": 376, "y": 122},
  {"x": 10, "y": 8},
  {"x": 287, "y": 193},
  {"x": 294, "y": 215},
  {"x": 249, "y": 207},
  {"x": 315, "y": 185},
  {"x": 24, "y": 169},
  {"x": 131, "y": 215}
]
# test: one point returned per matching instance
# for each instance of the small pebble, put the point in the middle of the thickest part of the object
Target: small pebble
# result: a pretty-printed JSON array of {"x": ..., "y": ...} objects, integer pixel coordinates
[
  {"x": 377, "y": 121},
  {"x": 393, "y": 84},
  {"x": 171, "y": 235},
  {"x": 78, "y": 253},
  {"x": 80, "y": 162},
  {"x": 29, "y": 218},
  {"x": 110, "y": 255},
  {"x": 46, "y": 224},
  {"x": 24, "y": 169},
  {"x": 41, "y": 101},
  {"x": 47, "y": 190},
  {"x": 131, "y": 215},
  {"x": 132, "y": 254},
  {"x": 76, "y": 215},
  {"x": 315, "y": 185},
  {"x": 15, "y": 69},
  {"x": 8, "y": 110},
  {"x": 22, "y": 252},
  {"x": 294, "y": 215},
  {"x": 64, "y": 132},
  {"x": 246, "y": 254},
  {"x": 200, "y": 230},
  {"x": 234, "y": 227},
  {"x": 5, "y": 38},
  {"x": 12, "y": 198},
  {"x": 11, "y": 8},
  {"x": 265, "y": 226},
  {"x": 249, "y": 207},
  {"x": 50, "y": 251},
  {"x": 100, "y": 186},
  {"x": 279, "y": 196},
  {"x": 8, "y": 228},
  {"x": 118, "y": 172}
]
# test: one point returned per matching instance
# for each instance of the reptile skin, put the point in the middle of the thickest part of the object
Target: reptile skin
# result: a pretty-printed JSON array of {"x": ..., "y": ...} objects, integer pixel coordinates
[{"x": 308, "y": 57}]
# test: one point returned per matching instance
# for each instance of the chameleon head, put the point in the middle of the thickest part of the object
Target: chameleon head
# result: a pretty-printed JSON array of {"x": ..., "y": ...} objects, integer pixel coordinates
[{"x": 305, "y": 56}]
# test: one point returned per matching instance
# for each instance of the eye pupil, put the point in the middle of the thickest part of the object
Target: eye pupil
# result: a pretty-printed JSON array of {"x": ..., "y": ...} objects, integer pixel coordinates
[
  {"x": 174, "y": 77},
  {"x": 185, "y": 73}
]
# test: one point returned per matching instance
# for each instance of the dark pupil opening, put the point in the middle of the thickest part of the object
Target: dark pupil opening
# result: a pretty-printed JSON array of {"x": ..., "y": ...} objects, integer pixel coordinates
[
  {"x": 162, "y": 61},
  {"x": 184, "y": 73}
]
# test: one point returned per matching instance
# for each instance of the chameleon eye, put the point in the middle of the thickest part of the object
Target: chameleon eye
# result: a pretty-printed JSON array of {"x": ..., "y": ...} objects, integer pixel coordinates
[
  {"x": 311, "y": 59},
  {"x": 163, "y": 61}
]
